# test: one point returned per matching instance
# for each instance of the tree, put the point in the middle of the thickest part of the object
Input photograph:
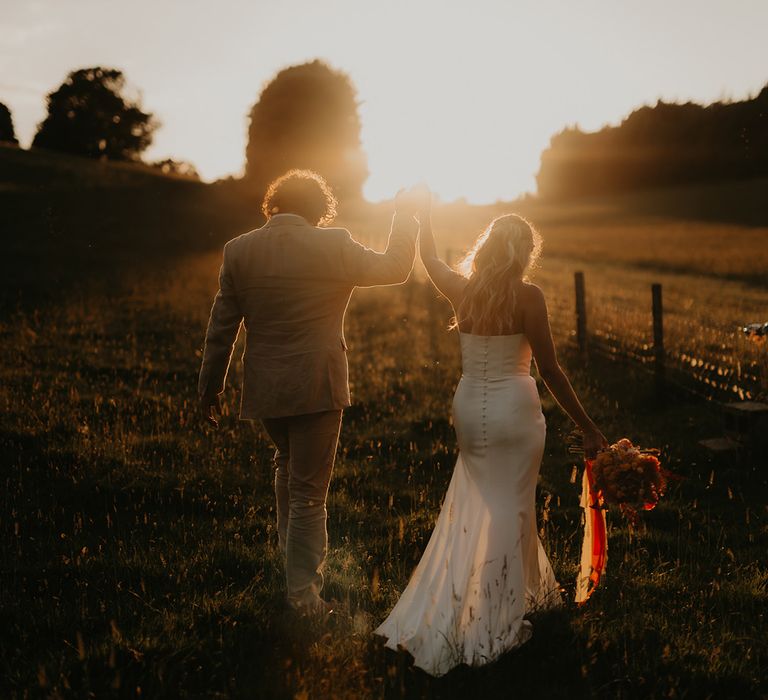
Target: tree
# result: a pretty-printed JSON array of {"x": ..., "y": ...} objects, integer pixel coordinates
[
  {"x": 660, "y": 146},
  {"x": 88, "y": 115},
  {"x": 6, "y": 125},
  {"x": 306, "y": 117}
]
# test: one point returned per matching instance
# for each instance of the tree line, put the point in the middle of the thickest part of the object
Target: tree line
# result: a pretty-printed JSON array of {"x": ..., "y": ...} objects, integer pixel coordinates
[
  {"x": 305, "y": 117},
  {"x": 664, "y": 145}
]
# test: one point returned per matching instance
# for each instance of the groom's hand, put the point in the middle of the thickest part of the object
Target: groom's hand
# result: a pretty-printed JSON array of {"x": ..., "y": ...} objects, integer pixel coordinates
[
  {"x": 405, "y": 203},
  {"x": 423, "y": 198},
  {"x": 209, "y": 403}
]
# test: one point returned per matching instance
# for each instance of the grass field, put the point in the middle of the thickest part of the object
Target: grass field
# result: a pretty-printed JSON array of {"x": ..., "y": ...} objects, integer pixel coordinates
[
  {"x": 713, "y": 277},
  {"x": 139, "y": 551}
]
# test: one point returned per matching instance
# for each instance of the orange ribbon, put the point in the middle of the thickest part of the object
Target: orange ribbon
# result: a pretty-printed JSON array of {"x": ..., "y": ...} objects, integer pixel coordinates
[{"x": 594, "y": 549}]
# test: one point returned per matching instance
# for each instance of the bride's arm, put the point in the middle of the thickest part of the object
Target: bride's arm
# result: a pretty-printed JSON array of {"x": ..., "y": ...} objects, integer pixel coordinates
[
  {"x": 448, "y": 282},
  {"x": 539, "y": 334}
]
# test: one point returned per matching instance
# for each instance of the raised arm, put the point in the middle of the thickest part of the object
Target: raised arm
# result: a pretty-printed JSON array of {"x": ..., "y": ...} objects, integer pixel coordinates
[
  {"x": 368, "y": 268},
  {"x": 537, "y": 330},
  {"x": 448, "y": 282},
  {"x": 223, "y": 326}
]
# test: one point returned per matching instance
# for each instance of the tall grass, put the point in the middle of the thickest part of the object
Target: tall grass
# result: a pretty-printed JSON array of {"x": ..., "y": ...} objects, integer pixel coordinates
[
  {"x": 139, "y": 551},
  {"x": 138, "y": 555}
]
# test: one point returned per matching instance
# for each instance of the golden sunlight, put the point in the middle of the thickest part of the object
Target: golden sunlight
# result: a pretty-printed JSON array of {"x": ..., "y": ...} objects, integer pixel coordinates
[
  {"x": 463, "y": 100},
  {"x": 269, "y": 430}
]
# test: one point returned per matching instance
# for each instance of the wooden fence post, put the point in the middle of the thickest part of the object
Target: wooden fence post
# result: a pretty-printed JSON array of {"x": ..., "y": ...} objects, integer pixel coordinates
[
  {"x": 581, "y": 314},
  {"x": 658, "y": 339}
]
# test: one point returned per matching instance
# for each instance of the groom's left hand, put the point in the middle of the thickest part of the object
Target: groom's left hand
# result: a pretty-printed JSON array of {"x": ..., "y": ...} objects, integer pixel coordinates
[{"x": 207, "y": 406}]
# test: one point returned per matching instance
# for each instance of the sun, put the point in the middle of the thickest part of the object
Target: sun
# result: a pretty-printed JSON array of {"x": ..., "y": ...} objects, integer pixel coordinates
[{"x": 480, "y": 160}]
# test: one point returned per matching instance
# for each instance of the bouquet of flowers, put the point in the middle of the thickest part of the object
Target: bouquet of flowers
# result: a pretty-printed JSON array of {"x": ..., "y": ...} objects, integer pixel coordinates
[{"x": 629, "y": 476}]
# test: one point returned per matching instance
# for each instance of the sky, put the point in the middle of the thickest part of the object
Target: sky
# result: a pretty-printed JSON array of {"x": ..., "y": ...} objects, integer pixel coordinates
[{"x": 461, "y": 95}]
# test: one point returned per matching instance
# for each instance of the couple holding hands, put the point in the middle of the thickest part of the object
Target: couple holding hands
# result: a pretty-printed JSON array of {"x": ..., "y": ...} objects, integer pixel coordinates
[{"x": 289, "y": 282}]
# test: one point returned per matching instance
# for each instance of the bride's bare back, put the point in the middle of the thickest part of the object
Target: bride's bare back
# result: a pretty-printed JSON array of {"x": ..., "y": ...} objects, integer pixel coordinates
[{"x": 529, "y": 316}]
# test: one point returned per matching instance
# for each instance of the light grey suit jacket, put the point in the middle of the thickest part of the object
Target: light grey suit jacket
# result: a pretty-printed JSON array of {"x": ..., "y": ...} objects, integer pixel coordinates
[{"x": 290, "y": 283}]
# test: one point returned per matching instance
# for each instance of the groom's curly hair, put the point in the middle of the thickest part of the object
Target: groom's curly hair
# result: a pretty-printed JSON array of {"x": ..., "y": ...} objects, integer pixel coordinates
[{"x": 301, "y": 192}]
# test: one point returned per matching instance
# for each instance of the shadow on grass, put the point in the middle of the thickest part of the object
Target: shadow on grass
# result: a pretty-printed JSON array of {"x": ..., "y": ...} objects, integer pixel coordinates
[{"x": 548, "y": 666}]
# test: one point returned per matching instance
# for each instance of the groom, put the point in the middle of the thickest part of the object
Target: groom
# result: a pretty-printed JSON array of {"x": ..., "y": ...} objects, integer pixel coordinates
[{"x": 290, "y": 282}]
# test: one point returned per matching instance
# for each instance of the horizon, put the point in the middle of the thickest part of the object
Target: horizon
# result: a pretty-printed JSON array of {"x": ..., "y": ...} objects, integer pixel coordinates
[{"x": 431, "y": 109}]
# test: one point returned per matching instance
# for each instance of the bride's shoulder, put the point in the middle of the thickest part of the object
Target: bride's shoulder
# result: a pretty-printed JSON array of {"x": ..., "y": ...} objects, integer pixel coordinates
[
  {"x": 533, "y": 304},
  {"x": 531, "y": 292}
]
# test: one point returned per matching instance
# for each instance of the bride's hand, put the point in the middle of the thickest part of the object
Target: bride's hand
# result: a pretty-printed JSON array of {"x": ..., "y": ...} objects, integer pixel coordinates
[
  {"x": 594, "y": 441},
  {"x": 406, "y": 203},
  {"x": 423, "y": 198}
]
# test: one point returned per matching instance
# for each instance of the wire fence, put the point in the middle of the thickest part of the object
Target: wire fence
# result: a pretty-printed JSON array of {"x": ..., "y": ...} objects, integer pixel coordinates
[{"x": 715, "y": 373}]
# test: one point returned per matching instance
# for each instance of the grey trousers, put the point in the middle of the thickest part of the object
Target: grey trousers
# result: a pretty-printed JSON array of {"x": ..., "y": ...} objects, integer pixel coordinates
[{"x": 306, "y": 450}]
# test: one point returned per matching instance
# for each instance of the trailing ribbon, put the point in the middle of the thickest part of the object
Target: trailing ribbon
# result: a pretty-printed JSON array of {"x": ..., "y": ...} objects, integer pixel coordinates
[{"x": 594, "y": 548}]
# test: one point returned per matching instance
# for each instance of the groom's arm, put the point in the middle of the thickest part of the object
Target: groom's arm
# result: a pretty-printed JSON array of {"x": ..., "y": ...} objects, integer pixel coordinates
[
  {"x": 364, "y": 267},
  {"x": 223, "y": 326}
]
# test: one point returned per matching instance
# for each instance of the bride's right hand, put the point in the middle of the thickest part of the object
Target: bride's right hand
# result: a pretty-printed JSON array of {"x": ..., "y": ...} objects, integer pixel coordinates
[{"x": 594, "y": 441}]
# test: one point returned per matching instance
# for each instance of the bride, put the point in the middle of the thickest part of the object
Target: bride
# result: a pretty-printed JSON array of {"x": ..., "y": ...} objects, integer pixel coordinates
[{"x": 484, "y": 567}]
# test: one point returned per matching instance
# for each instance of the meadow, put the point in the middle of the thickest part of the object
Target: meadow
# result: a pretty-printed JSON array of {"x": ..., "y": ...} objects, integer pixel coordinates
[{"x": 139, "y": 553}]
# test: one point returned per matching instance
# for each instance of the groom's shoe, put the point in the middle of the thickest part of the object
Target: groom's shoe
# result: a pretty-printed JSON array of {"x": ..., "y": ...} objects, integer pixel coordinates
[
  {"x": 317, "y": 609},
  {"x": 322, "y": 608}
]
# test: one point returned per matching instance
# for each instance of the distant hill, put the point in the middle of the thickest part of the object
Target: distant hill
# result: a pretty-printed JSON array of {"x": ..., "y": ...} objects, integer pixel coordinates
[
  {"x": 22, "y": 169},
  {"x": 66, "y": 220},
  {"x": 660, "y": 146}
]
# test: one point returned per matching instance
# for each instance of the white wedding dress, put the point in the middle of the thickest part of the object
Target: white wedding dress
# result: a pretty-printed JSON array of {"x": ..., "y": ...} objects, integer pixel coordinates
[{"x": 484, "y": 567}]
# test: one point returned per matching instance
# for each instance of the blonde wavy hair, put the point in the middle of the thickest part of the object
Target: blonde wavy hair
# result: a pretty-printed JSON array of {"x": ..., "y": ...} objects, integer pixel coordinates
[{"x": 499, "y": 259}]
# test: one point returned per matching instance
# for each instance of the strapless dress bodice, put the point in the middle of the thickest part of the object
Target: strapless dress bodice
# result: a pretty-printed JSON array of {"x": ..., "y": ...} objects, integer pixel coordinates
[{"x": 495, "y": 356}]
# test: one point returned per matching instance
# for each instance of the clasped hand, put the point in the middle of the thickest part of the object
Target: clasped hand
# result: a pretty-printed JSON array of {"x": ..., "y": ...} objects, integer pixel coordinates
[{"x": 414, "y": 201}]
